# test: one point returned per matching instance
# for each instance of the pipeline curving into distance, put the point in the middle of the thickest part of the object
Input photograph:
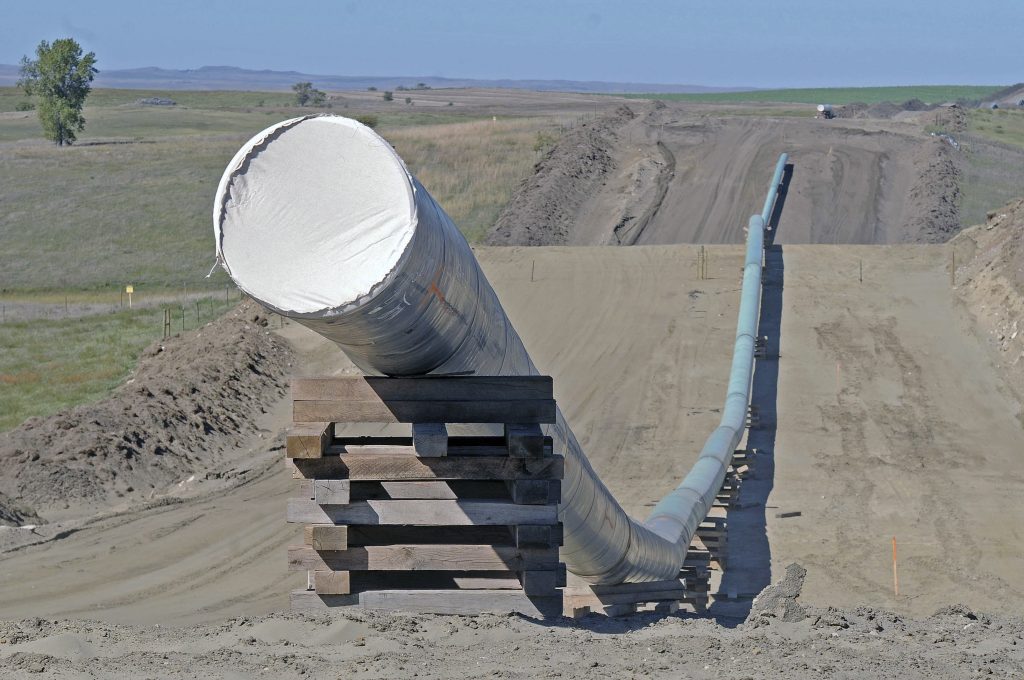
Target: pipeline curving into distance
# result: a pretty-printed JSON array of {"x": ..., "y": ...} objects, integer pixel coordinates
[{"x": 318, "y": 219}]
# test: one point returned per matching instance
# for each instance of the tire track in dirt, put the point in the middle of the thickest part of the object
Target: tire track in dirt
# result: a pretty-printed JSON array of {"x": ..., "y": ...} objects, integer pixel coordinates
[{"x": 629, "y": 235}]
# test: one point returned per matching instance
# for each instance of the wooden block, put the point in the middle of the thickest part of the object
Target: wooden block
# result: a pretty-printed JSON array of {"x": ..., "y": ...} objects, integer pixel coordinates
[
  {"x": 430, "y": 439},
  {"x": 427, "y": 388},
  {"x": 666, "y": 607},
  {"x": 465, "y": 602},
  {"x": 524, "y": 440},
  {"x": 325, "y": 491},
  {"x": 436, "y": 535},
  {"x": 331, "y": 491},
  {"x": 331, "y": 582},
  {"x": 423, "y": 557},
  {"x": 434, "y": 580},
  {"x": 418, "y": 490},
  {"x": 625, "y": 609},
  {"x": 368, "y": 467},
  {"x": 538, "y": 536},
  {"x": 536, "y": 491},
  {"x": 537, "y": 410},
  {"x": 308, "y": 440},
  {"x": 457, "y": 446},
  {"x": 326, "y": 536},
  {"x": 421, "y": 513},
  {"x": 543, "y": 582}
]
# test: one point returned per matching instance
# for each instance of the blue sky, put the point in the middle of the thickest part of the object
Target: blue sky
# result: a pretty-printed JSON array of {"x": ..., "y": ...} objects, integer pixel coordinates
[{"x": 759, "y": 43}]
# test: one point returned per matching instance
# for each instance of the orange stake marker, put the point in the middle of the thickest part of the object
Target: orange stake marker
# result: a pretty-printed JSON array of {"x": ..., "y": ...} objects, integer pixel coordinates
[{"x": 895, "y": 574}]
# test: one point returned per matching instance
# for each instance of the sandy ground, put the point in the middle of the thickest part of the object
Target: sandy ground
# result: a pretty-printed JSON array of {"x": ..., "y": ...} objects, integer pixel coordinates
[
  {"x": 677, "y": 174},
  {"x": 879, "y": 401}
]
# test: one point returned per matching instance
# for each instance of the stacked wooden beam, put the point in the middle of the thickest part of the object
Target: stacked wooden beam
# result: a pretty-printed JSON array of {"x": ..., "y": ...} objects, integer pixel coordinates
[
  {"x": 427, "y": 523},
  {"x": 690, "y": 588}
]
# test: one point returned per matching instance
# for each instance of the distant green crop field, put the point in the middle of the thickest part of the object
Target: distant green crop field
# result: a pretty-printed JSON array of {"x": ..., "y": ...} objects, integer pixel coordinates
[{"x": 933, "y": 94}]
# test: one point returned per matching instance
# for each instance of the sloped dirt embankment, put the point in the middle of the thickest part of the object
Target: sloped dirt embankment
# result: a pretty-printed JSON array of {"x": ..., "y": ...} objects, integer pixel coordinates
[
  {"x": 544, "y": 209},
  {"x": 990, "y": 281},
  {"x": 189, "y": 400}
]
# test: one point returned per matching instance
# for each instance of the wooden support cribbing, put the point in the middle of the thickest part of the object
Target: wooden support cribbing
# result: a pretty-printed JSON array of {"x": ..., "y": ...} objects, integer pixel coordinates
[
  {"x": 423, "y": 558},
  {"x": 387, "y": 467},
  {"x": 464, "y": 399},
  {"x": 421, "y": 513},
  {"x": 428, "y": 523},
  {"x": 308, "y": 440}
]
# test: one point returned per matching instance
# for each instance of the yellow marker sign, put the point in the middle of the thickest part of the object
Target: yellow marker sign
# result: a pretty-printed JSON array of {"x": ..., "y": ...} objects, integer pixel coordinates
[{"x": 129, "y": 289}]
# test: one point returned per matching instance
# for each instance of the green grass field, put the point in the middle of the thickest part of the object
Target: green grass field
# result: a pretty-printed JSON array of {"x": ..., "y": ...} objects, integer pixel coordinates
[
  {"x": 50, "y": 364},
  {"x": 1000, "y": 125},
  {"x": 933, "y": 94},
  {"x": 130, "y": 202}
]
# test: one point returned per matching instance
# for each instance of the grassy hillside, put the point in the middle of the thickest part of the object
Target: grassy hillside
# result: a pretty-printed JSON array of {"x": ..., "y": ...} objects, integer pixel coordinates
[
  {"x": 131, "y": 200},
  {"x": 935, "y": 94}
]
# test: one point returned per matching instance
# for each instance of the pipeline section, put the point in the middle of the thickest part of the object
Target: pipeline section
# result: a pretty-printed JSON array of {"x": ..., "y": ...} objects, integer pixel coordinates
[
  {"x": 677, "y": 515},
  {"x": 318, "y": 219}
]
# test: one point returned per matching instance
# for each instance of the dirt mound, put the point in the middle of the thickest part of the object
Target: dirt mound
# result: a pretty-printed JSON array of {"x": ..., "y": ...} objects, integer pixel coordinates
[
  {"x": 779, "y": 600},
  {"x": 189, "y": 399},
  {"x": 990, "y": 280},
  {"x": 543, "y": 209},
  {"x": 934, "y": 199},
  {"x": 829, "y": 643}
]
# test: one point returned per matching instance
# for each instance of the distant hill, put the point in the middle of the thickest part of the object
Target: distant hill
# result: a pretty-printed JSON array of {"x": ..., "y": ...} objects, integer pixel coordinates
[{"x": 233, "y": 78}]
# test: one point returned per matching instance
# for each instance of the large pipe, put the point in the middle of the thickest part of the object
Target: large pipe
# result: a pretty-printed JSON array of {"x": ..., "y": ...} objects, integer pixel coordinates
[{"x": 319, "y": 220}]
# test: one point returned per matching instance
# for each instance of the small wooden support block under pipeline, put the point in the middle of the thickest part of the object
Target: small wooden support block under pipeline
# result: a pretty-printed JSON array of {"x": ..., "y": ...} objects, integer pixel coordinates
[{"x": 308, "y": 440}]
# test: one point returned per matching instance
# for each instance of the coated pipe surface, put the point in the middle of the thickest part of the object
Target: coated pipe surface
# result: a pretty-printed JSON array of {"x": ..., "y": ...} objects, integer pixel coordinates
[
  {"x": 319, "y": 220},
  {"x": 677, "y": 515}
]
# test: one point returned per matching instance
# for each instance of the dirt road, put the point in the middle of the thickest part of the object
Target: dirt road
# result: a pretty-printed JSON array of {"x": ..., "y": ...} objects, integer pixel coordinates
[{"x": 676, "y": 174}]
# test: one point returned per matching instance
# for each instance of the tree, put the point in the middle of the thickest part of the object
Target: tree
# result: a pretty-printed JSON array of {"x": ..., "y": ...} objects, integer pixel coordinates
[
  {"x": 388, "y": 96},
  {"x": 60, "y": 76},
  {"x": 307, "y": 95}
]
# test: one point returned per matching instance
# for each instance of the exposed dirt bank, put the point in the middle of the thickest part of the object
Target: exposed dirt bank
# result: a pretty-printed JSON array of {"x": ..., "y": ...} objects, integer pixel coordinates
[
  {"x": 544, "y": 209},
  {"x": 190, "y": 399},
  {"x": 990, "y": 280},
  {"x": 674, "y": 174}
]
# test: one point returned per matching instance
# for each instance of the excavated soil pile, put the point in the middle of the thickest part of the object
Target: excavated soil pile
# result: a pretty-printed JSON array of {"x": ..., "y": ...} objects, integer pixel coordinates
[
  {"x": 990, "y": 280},
  {"x": 543, "y": 210},
  {"x": 934, "y": 198},
  {"x": 189, "y": 399}
]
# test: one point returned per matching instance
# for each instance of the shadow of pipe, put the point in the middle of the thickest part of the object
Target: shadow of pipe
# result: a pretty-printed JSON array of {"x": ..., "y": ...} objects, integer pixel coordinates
[{"x": 748, "y": 569}]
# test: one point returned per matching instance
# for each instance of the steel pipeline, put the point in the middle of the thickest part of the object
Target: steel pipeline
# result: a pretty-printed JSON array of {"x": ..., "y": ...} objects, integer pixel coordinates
[{"x": 424, "y": 307}]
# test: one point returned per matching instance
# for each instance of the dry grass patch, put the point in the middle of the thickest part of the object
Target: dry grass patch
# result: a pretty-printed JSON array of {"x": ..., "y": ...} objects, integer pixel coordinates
[{"x": 472, "y": 168}]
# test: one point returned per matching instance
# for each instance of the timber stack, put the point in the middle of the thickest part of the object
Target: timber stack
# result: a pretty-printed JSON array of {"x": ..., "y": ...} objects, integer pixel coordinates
[{"x": 430, "y": 523}]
